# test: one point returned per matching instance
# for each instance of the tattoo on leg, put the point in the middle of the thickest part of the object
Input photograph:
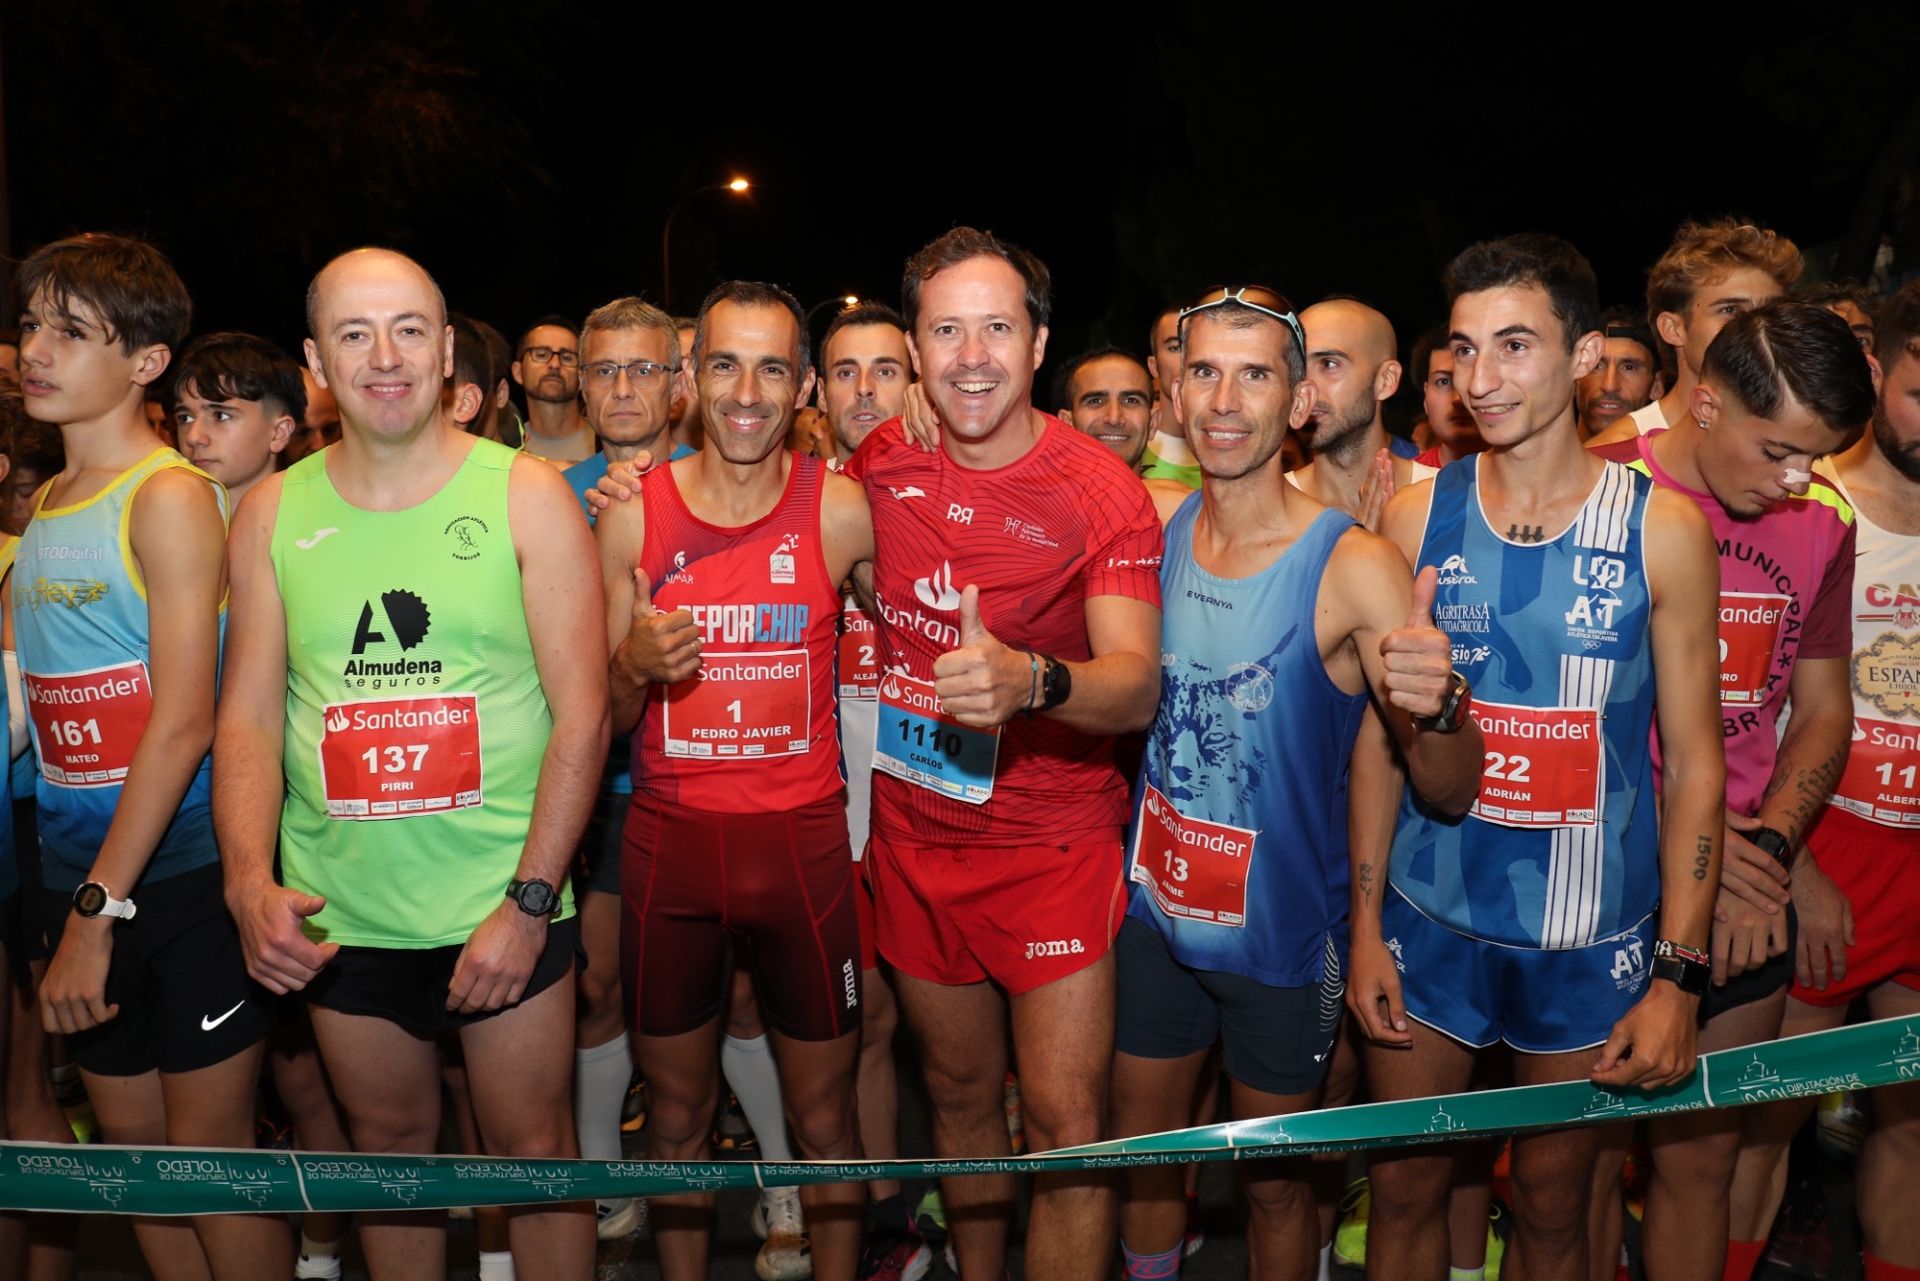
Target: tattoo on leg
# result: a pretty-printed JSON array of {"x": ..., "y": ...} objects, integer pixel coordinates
[
  {"x": 1527, "y": 533},
  {"x": 1702, "y": 855}
]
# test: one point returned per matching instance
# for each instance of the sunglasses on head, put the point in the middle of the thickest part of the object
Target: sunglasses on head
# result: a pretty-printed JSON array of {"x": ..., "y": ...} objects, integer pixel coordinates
[{"x": 1258, "y": 298}]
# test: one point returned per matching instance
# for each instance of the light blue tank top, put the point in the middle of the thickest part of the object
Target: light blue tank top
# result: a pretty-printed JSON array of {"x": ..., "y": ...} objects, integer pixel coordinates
[
  {"x": 1560, "y": 849},
  {"x": 80, "y": 627},
  {"x": 1239, "y": 837}
]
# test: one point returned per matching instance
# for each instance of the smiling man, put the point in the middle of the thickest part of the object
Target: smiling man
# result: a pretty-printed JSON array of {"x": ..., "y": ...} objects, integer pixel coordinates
[
  {"x": 414, "y": 711},
  {"x": 1017, "y": 594},
  {"x": 1108, "y": 394},
  {"x": 1578, "y": 598},
  {"x": 722, "y": 589}
]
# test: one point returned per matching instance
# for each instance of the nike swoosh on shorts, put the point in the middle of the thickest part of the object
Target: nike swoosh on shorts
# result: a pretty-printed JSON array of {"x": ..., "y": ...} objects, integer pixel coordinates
[{"x": 208, "y": 1024}]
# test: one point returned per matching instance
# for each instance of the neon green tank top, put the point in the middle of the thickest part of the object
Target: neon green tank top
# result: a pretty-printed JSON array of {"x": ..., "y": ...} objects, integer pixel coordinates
[{"x": 416, "y": 722}]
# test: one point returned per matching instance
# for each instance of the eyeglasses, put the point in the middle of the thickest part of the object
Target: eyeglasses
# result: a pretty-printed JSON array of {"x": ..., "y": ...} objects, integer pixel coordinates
[
  {"x": 638, "y": 372},
  {"x": 545, "y": 355},
  {"x": 1255, "y": 298}
]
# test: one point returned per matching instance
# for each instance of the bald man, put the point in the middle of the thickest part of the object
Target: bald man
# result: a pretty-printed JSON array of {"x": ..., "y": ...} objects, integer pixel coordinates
[
  {"x": 439, "y": 728},
  {"x": 1352, "y": 366}
]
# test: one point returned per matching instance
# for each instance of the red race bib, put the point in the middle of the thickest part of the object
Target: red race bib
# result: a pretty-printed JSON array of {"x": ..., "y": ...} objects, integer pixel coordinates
[
  {"x": 1542, "y": 767},
  {"x": 859, "y": 656},
  {"x": 400, "y": 757},
  {"x": 1749, "y": 629},
  {"x": 1195, "y": 868},
  {"x": 86, "y": 725},
  {"x": 740, "y": 705},
  {"x": 1882, "y": 780}
]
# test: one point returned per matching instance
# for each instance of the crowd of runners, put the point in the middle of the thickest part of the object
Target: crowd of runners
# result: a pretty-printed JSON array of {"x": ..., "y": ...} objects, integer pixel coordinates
[{"x": 1170, "y": 743}]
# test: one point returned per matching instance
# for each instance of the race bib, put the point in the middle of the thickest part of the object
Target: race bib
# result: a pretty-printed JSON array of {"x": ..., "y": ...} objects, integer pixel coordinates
[
  {"x": 1749, "y": 630},
  {"x": 740, "y": 705},
  {"x": 917, "y": 742},
  {"x": 400, "y": 757},
  {"x": 1196, "y": 869},
  {"x": 1882, "y": 780},
  {"x": 86, "y": 725},
  {"x": 859, "y": 655},
  {"x": 1542, "y": 767}
]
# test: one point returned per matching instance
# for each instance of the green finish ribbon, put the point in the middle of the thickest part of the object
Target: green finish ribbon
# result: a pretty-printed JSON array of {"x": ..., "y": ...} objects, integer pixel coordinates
[{"x": 175, "y": 1181}]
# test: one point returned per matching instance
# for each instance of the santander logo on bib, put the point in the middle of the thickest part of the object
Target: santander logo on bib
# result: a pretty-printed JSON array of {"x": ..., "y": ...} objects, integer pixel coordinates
[
  {"x": 336, "y": 721},
  {"x": 936, "y": 590}
]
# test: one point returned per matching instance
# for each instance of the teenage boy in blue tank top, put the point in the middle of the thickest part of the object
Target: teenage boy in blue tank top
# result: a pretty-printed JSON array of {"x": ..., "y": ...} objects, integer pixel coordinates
[
  {"x": 1578, "y": 598},
  {"x": 1287, "y": 627},
  {"x": 118, "y": 599}
]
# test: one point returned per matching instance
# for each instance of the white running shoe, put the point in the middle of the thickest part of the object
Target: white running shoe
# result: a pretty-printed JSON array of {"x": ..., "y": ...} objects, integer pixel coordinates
[
  {"x": 786, "y": 1255},
  {"x": 616, "y": 1219},
  {"x": 323, "y": 1267}
]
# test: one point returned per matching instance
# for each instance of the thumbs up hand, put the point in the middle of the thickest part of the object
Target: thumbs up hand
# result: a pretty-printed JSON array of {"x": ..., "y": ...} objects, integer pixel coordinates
[
  {"x": 1418, "y": 655},
  {"x": 660, "y": 647},
  {"x": 982, "y": 683}
]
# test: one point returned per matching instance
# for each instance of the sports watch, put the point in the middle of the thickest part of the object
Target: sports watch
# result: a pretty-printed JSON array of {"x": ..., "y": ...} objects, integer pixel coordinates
[
  {"x": 1453, "y": 710},
  {"x": 94, "y": 899},
  {"x": 1056, "y": 683},
  {"x": 1684, "y": 967},
  {"x": 1775, "y": 843},
  {"x": 535, "y": 898}
]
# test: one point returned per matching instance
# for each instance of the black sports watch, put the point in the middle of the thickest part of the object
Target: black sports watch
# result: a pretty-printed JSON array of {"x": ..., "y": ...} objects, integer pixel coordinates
[
  {"x": 1684, "y": 967},
  {"x": 1453, "y": 711},
  {"x": 94, "y": 899},
  {"x": 1056, "y": 683},
  {"x": 535, "y": 898},
  {"x": 1774, "y": 843}
]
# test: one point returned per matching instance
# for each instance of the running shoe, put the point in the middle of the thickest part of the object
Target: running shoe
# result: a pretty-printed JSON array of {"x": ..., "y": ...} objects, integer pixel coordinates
[
  {"x": 1195, "y": 1236},
  {"x": 1801, "y": 1245},
  {"x": 633, "y": 1109},
  {"x": 616, "y": 1219},
  {"x": 1499, "y": 1224},
  {"x": 930, "y": 1217},
  {"x": 732, "y": 1137},
  {"x": 1350, "y": 1232},
  {"x": 317, "y": 1267},
  {"x": 784, "y": 1252},
  {"x": 895, "y": 1256}
]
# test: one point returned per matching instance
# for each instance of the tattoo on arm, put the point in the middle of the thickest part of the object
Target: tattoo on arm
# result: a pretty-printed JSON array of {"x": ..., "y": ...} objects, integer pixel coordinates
[
  {"x": 1811, "y": 789},
  {"x": 1366, "y": 882},
  {"x": 1702, "y": 855}
]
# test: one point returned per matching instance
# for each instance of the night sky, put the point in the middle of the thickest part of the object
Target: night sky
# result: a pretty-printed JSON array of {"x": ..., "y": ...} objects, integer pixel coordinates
[{"x": 529, "y": 154}]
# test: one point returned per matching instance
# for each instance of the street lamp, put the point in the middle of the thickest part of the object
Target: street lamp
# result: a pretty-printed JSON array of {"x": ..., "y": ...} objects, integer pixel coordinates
[
  {"x": 738, "y": 186},
  {"x": 844, "y": 302}
]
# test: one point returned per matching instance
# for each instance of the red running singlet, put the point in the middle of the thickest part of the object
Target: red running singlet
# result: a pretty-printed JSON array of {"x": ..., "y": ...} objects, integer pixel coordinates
[{"x": 753, "y": 730}]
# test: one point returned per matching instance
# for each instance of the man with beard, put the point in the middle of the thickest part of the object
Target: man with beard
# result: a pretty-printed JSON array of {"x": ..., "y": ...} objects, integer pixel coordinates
[
  {"x": 1628, "y": 376},
  {"x": 548, "y": 368},
  {"x": 1862, "y": 842},
  {"x": 1351, "y": 366}
]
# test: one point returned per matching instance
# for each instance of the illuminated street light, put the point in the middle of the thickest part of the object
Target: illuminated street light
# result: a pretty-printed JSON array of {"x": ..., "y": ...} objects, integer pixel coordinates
[{"x": 738, "y": 186}]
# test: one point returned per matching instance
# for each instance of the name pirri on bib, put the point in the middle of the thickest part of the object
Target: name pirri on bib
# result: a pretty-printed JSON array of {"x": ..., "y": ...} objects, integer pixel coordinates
[
  {"x": 753, "y": 729},
  {"x": 416, "y": 722}
]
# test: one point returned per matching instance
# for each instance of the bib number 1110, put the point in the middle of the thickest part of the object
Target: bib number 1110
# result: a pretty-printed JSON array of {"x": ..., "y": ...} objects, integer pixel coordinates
[{"x": 931, "y": 736}]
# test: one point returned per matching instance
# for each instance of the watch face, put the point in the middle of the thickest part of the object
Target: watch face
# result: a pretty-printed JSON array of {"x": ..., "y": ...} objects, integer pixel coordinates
[
  {"x": 89, "y": 899},
  {"x": 538, "y": 898}
]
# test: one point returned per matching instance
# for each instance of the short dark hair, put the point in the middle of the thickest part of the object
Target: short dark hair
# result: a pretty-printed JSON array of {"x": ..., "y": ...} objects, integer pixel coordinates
[
  {"x": 127, "y": 283},
  {"x": 472, "y": 362},
  {"x": 557, "y": 321},
  {"x": 965, "y": 243},
  {"x": 1629, "y": 323},
  {"x": 1896, "y": 325},
  {"x": 235, "y": 366},
  {"x": 499, "y": 355},
  {"x": 1826, "y": 293},
  {"x": 1420, "y": 359},
  {"x": 860, "y": 314},
  {"x": 1792, "y": 348},
  {"x": 1063, "y": 380},
  {"x": 1532, "y": 258},
  {"x": 755, "y": 293}
]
